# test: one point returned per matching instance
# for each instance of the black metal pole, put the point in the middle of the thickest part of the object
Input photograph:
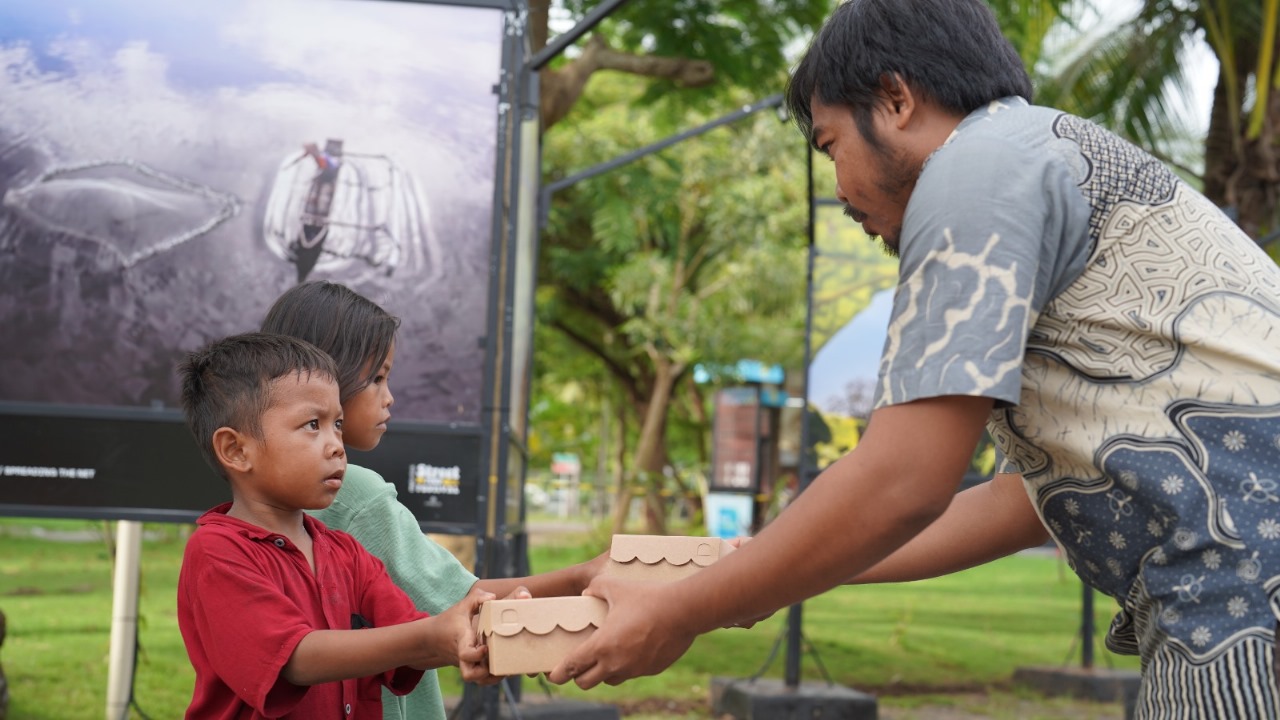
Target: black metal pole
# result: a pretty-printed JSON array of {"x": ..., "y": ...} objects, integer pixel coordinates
[
  {"x": 1086, "y": 629},
  {"x": 544, "y": 203},
  {"x": 794, "y": 650},
  {"x": 795, "y": 612},
  {"x": 757, "y": 480},
  {"x": 570, "y": 36}
]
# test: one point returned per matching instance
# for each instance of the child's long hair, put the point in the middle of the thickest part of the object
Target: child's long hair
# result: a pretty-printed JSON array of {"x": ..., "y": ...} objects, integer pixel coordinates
[{"x": 353, "y": 329}]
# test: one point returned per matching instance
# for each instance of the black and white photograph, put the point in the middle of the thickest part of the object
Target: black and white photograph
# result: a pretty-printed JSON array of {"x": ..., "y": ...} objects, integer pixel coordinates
[{"x": 168, "y": 169}]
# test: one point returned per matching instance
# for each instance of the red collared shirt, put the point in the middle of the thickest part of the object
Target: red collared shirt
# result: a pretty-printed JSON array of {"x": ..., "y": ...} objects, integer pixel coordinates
[{"x": 247, "y": 597}]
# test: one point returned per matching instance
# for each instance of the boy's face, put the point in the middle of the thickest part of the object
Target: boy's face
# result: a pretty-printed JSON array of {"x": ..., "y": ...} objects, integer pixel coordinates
[
  {"x": 367, "y": 412},
  {"x": 299, "y": 461}
]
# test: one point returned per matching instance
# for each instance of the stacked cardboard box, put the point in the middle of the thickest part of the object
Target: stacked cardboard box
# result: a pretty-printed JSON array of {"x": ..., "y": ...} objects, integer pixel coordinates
[
  {"x": 663, "y": 558},
  {"x": 533, "y": 636}
]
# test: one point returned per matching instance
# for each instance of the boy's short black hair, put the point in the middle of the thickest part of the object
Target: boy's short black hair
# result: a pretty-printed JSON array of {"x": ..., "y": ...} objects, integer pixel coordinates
[
  {"x": 950, "y": 51},
  {"x": 353, "y": 329},
  {"x": 228, "y": 383}
]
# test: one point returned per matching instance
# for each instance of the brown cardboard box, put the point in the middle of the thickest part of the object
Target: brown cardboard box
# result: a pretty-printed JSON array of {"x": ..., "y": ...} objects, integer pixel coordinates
[
  {"x": 662, "y": 557},
  {"x": 533, "y": 636}
]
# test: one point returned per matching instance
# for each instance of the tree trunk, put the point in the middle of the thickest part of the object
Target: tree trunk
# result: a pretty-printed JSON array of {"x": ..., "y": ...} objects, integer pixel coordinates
[
  {"x": 698, "y": 408},
  {"x": 539, "y": 14},
  {"x": 1219, "y": 150},
  {"x": 1257, "y": 185},
  {"x": 1241, "y": 174},
  {"x": 650, "y": 450},
  {"x": 621, "y": 485}
]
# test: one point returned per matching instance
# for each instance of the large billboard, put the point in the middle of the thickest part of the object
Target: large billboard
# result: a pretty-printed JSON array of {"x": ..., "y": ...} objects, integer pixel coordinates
[{"x": 167, "y": 169}]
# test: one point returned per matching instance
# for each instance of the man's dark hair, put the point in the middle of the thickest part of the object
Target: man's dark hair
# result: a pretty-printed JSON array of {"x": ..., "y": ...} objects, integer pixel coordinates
[
  {"x": 351, "y": 328},
  {"x": 228, "y": 383},
  {"x": 950, "y": 51}
]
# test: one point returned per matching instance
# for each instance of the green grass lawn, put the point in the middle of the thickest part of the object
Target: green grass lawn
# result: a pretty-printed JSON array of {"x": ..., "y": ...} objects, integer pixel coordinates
[{"x": 964, "y": 632}]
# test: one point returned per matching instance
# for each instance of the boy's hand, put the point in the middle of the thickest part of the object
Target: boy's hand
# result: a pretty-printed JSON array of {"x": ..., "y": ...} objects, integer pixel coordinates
[
  {"x": 592, "y": 569},
  {"x": 459, "y": 625},
  {"x": 520, "y": 593}
]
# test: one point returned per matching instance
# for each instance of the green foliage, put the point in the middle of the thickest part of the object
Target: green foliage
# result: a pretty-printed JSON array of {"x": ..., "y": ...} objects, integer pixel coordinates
[
  {"x": 845, "y": 432},
  {"x": 695, "y": 254},
  {"x": 1031, "y": 25},
  {"x": 1130, "y": 80},
  {"x": 747, "y": 42},
  {"x": 56, "y": 596},
  {"x": 848, "y": 270}
]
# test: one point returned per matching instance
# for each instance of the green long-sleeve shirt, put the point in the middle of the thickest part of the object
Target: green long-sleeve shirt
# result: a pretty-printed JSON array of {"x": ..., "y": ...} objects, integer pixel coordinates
[{"x": 366, "y": 507}]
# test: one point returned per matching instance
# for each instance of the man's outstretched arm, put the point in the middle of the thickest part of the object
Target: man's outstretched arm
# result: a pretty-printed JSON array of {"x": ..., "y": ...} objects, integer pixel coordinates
[
  {"x": 898, "y": 480},
  {"x": 983, "y": 523}
]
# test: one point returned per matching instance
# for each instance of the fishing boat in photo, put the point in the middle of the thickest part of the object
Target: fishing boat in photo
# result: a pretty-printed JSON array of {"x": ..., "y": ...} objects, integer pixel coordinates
[
  {"x": 330, "y": 208},
  {"x": 128, "y": 210}
]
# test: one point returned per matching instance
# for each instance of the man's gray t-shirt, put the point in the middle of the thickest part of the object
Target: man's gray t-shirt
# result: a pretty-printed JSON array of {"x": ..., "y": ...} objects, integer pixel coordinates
[{"x": 1130, "y": 335}]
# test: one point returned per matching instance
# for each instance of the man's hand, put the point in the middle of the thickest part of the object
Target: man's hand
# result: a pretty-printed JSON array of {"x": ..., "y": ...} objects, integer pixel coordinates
[{"x": 646, "y": 630}]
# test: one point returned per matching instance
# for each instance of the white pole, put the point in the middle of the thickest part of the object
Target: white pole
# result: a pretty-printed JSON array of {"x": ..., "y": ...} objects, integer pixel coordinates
[{"x": 124, "y": 618}]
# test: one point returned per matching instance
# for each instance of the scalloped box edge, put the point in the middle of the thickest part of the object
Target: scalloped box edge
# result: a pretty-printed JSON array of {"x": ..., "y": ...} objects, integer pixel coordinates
[
  {"x": 534, "y": 635},
  {"x": 663, "y": 558}
]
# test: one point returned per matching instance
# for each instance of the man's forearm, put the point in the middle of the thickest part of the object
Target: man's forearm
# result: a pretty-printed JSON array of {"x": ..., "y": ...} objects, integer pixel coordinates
[
  {"x": 861, "y": 509},
  {"x": 983, "y": 523}
]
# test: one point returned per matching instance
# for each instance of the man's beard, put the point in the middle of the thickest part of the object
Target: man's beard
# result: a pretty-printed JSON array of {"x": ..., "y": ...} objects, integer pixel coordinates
[
  {"x": 853, "y": 215},
  {"x": 896, "y": 178}
]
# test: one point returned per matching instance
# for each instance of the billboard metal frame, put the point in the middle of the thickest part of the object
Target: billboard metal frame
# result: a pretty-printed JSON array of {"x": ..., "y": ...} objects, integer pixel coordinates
[{"x": 493, "y": 418}]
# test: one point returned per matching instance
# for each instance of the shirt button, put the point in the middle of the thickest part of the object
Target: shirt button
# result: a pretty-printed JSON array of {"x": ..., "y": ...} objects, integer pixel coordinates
[
  {"x": 348, "y": 708},
  {"x": 280, "y": 543}
]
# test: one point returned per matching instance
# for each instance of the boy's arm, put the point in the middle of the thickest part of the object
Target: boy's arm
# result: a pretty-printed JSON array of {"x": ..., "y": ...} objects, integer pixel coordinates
[
  {"x": 328, "y": 655},
  {"x": 367, "y": 509},
  {"x": 427, "y": 643},
  {"x": 983, "y": 523},
  {"x": 570, "y": 580}
]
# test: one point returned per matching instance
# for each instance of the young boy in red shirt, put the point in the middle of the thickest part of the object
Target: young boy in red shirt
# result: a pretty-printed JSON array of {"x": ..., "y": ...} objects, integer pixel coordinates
[{"x": 281, "y": 616}]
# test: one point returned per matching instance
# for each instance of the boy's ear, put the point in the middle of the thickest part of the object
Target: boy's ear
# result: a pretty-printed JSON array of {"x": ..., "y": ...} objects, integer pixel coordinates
[{"x": 231, "y": 448}]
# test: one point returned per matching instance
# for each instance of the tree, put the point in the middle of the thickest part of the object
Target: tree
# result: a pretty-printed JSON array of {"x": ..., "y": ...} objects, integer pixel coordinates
[
  {"x": 1127, "y": 80},
  {"x": 703, "y": 48},
  {"x": 692, "y": 255},
  {"x": 646, "y": 228}
]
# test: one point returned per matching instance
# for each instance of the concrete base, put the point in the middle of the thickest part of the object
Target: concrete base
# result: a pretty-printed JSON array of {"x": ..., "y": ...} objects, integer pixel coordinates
[
  {"x": 766, "y": 699},
  {"x": 561, "y": 710},
  {"x": 1085, "y": 683},
  {"x": 539, "y": 708}
]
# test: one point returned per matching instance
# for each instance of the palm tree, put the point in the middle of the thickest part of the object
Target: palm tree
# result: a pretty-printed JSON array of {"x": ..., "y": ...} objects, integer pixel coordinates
[{"x": 1128, "y": 80}]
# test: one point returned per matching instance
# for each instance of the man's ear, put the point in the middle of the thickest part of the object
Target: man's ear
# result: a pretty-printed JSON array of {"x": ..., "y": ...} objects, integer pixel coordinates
[
  {"x": 231, "y": 448},
  {"x": 900, "y": 102}
]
